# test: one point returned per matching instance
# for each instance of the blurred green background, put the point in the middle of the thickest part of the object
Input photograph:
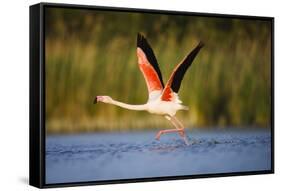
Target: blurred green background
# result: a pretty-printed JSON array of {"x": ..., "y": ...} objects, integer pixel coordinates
[{"x": 91, "y": 53}]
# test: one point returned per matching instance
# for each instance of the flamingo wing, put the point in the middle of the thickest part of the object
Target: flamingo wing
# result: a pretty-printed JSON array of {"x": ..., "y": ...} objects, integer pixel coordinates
[
  {"x": 148, "y": 65},
  {"x": 173, "y": 85}
]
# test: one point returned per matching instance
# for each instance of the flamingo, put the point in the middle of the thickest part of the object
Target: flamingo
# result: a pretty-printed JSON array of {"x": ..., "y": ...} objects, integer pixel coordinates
[{"x": 163, "y": 99}]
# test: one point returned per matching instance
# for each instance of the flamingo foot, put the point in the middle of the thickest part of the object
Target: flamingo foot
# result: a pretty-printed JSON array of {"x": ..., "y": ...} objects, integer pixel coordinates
[
  {"x": 183, "y": 136},
  {"x": 182, "y": 133},
  {"x": 158, "y": 135},
  {"x": 185, "y": 140}
]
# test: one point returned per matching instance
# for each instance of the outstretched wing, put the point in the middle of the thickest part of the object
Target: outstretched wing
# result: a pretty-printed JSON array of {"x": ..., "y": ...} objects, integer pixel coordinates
[
  {"x": 174, "y": 82},
  {"x": 148, "y": 65}
]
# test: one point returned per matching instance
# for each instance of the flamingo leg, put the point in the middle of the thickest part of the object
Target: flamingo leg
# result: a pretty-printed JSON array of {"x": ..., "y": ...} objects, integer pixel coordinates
[
  {"x": 166, "y": 131},
  {"x": 182, "y": 133},
  {"x": 179, "y": 129}
]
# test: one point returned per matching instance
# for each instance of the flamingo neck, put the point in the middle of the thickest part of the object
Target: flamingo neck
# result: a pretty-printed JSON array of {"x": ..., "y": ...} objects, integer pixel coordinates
[{"x": 130, "y": 106}]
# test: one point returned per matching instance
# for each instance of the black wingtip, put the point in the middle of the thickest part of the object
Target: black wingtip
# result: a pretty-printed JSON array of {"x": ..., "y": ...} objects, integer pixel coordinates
[
  {"x": 95, "y": 100},
  {"x": 181, "y": 70},
  {"x": 139, "y": 34},
  {"x": 143, "y": 44},
  {"x": 200, "y": 44},
  {"x": 140, "y": 40}
]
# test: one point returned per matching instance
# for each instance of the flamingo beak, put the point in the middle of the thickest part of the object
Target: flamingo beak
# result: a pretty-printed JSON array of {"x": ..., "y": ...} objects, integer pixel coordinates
[{"x": 95, "y": 100}]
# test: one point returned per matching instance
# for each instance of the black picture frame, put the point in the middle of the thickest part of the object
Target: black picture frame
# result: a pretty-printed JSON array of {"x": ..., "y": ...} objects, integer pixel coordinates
[{"x": 37, "y": 95}]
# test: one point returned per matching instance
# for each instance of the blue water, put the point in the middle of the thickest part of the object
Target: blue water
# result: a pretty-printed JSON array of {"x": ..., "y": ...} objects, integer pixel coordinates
[{"x": 120, "y": 155}]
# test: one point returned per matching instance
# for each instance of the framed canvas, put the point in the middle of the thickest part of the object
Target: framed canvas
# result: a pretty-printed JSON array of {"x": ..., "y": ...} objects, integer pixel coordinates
[{"x": 122, "y": 95}]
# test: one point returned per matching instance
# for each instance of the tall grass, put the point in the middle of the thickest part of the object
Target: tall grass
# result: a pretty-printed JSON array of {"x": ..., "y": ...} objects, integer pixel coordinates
[{"x": 89, "y": 54}]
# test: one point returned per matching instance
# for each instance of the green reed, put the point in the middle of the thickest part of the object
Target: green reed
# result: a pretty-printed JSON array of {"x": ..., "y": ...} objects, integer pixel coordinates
[{"x": 89, "y": 54}]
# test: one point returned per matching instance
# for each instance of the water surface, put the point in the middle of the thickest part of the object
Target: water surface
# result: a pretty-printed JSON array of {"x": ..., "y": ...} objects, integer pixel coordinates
[{"x": 124, "y": 155}]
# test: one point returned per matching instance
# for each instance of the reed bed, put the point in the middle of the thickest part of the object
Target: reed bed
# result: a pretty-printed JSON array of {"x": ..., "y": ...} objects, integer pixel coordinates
[{"x": 89, "y": 54}]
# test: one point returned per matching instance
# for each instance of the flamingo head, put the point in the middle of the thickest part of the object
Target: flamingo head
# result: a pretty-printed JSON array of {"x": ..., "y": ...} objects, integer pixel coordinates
[{"x": 104, "y": 99}]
